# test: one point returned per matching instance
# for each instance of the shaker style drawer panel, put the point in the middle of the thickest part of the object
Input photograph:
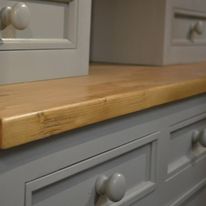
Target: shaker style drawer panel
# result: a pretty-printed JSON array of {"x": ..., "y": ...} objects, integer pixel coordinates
[
  {"x": 195, "y": 196},
  {"x": 189, "y": 28},
  {"x": 44, "y": 39},
  {"x": 121, "y": 175},
  {"x": 187, "y": 143},
  {"x": 43, "y": 24},
  {"x": 199, "y": 198}
]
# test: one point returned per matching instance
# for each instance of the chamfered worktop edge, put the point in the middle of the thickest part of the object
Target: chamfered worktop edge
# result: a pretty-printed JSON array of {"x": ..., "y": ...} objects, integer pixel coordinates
[
  {"x": 21, "y": 129},
  {"x": 33, "y": 111}
]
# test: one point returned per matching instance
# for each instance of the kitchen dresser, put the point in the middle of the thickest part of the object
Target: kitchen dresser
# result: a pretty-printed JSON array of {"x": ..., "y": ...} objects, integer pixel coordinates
[{"x": 128, "y": 135}]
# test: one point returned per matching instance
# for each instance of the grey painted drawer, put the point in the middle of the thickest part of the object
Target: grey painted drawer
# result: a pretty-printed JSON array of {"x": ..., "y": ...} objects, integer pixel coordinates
[
  {"x": 75, "y": 185},
  {"x": 185, "y": 31},
  {"x": 189, "y": 28},
  {"x": 186, "y": 162},
  {"x": 198, "y": 198},
  {"x": 185, "y": 147},
  {"x": 45, "y": 39},
  {"x": 40, "y": 33},
  {"x": 195, "y": 196}
]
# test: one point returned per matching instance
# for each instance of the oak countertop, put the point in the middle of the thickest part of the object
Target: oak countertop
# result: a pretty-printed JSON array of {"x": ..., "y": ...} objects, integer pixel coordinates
[{"x": 37, "y": 110}]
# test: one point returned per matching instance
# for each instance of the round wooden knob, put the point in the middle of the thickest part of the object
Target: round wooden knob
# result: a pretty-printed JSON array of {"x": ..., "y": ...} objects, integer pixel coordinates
[
  {"x": 113, "y": 187},
  {"x": 17, "y": 15}
]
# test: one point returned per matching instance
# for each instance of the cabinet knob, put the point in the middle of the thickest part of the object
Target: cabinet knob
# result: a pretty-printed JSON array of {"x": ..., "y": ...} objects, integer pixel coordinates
[
  {"x": 17, "y": 15},
  {"x": 195, "y": 136},
  {"x": 197, "y": 28},
  {"x": 202, "y": 138},
  {"x": 113, "y": 187},
  {"x": 199, "y": 137}
]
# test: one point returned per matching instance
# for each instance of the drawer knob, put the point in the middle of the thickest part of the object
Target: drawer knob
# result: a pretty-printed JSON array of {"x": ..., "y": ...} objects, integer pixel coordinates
[
  {"x": 199, "y": 137},
  {"x": 113, "y": 187},
  {"x": 202, "y": 138},
  {"x": 199, "y": 27},
  {"x": 195, "y": 136},
  {"x": 17, "y": 15}
]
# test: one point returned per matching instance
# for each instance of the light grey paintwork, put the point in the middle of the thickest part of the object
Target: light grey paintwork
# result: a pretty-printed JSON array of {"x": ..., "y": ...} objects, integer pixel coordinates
[
  {"x": 63, "y": 170},
  {"x": 149, "y": 32}
]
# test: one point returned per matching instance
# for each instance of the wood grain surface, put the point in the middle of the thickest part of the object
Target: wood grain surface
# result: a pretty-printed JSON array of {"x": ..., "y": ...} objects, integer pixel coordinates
[{"x": 37, "y": 110}]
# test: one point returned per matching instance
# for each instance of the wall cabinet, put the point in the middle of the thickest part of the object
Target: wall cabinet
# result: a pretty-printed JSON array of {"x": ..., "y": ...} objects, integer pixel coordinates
[{"x": 154, "y": 157}]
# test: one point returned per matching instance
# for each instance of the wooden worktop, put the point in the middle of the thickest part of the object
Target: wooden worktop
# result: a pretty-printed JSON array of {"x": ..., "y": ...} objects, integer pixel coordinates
[{"x": 36, "y": 110}]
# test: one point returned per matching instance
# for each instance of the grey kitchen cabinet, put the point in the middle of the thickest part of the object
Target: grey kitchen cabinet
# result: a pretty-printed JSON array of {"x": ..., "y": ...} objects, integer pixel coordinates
[
  {"x": 154, "y": 157},
  {"x": 159, "y": 32}
]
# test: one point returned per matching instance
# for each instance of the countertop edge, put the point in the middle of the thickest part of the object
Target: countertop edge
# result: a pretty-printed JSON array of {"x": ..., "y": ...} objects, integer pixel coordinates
[{"x": 62, "y": 119}]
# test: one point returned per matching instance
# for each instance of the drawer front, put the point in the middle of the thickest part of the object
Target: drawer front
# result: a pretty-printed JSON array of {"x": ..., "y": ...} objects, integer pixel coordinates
[
  {"x": 186, "y": 143},
  {"x": 186, "y": 161},
  {"x": 189, "y": 28},
  {"x": 43, "y": 24},
  {"x": 199, "y": 198},
  {"x": 77, "y": 185},
  {"x": 194, "y": 197},
  {"x": 185, "y": 31}
]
